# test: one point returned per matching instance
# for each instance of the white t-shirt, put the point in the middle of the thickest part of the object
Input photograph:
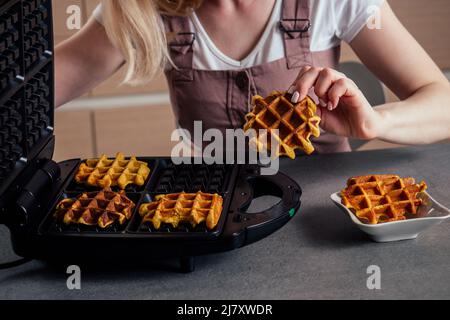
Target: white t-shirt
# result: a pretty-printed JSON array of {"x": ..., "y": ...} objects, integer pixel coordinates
[{"x": 332, "y": 21}]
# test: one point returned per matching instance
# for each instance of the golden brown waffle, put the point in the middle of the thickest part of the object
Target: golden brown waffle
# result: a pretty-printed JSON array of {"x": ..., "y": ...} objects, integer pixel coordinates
[
  {"x": 106, "y": 172},
  {"x": 102, "y": 209},
  {"x": 382, "y": 198},
  {"x": 295, "y": 123},
  {"x": 183, "y": 208}
]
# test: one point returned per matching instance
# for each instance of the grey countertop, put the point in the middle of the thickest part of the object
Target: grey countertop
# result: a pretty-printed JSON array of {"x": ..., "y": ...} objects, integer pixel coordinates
[{"x": 318, "y": 255}]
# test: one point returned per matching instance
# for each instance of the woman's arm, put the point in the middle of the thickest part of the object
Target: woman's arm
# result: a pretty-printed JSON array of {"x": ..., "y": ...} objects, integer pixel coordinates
[
  {"x": 84, "y": 61},
  {"x": 423, "y": 115}
]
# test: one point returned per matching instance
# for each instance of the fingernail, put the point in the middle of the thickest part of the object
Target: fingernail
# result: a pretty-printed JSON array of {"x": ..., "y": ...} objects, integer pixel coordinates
[
  {"x": 295, "y": 97},
  {"x": 322, "y": 103},
  {"x": 291, "y": 89},
  {"x": 330, "y": 106}
]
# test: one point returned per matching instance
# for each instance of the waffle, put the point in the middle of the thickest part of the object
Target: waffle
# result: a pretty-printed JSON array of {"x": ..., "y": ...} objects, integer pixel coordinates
[
  {"x": 295, "y": 123},
  {"x": 101, "y": 209},
  {"x": 105, "y": 173},
  {"x": 183, "y": 208},
  {"x": 382, "y": 198}
]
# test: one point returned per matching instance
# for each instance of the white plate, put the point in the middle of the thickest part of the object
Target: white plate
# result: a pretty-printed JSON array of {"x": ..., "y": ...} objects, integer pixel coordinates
[{"x": 429, "y": 214}]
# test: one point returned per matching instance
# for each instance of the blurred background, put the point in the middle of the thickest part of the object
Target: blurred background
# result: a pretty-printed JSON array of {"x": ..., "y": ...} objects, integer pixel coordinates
[{"x": 139, "y": 120}]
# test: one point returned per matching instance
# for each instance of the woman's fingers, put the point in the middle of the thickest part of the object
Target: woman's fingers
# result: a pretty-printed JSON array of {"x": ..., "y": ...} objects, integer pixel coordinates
[
  {"x": 340, "y": 88},
  {"x": 325, "y": 81},
  {"x": 321, "y": 79},
  {"x": 304, "y": 82},
  {"x": 293, "y": 87}
]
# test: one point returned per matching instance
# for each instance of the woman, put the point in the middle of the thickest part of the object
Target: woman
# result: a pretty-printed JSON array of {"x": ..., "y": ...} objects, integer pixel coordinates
[{"x": 217, "y": 54}]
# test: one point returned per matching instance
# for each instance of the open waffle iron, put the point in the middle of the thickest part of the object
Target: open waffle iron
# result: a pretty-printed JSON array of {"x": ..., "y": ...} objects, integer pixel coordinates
[{"x": 31, "y": 184}]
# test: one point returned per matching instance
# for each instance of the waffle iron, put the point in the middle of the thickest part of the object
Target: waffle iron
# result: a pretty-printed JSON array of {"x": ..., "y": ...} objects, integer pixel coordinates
[{"x": 31, "y": 183}]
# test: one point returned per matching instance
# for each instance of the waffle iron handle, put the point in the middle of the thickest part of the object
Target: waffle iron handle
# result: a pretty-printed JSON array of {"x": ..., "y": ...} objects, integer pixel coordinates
[
  {"x": 28, "y": 201},
  {"x": 260, "y": 225}
]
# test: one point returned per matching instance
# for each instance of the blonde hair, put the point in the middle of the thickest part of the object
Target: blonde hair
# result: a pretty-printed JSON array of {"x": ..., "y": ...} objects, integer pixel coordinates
[{"x": 135, "y": 27}]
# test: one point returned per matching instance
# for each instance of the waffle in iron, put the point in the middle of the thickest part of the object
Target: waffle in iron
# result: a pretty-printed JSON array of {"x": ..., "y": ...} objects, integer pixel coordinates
[
  {"x": 106, "y": 172},
  {"x": 295, "y": 123},
  {"x": 183, "y": 208},
  {"x": 382, "y": 198},
  {"x": 102, "y": 209}
]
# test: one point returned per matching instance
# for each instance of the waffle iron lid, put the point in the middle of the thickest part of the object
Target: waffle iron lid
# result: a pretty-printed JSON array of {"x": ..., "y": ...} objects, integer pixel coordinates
[{"x": 26, "y": 87}]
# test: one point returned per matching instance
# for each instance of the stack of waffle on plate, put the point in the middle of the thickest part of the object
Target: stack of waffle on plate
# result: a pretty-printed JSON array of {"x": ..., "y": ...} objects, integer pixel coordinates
[
  {"x": 382, "y": 198},
  {"x": 102, "y": 208},
  {"x": 119, "y": 172},
  {"x": 183, "y": 208},
  {"x": 291, "y": 125}
]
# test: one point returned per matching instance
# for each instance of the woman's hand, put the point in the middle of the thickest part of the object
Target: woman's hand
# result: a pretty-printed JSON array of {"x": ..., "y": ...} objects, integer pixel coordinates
[{"x": 343, "y": 108}]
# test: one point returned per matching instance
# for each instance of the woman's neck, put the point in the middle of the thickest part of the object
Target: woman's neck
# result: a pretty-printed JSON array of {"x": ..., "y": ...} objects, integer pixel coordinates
[
  {"x": 230, "y": 4},
  {"x": 225, "y": 21}
]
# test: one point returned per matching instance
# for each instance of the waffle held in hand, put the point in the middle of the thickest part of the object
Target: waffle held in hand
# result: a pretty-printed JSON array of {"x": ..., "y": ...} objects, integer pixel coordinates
[
  {"x": 296, "y": 123},
  {"x": 183, "y": 208},
  {"x": 101, "y": 209},
  {"x": 106, "y": 172},
  {"x": 382, "y": 198}
]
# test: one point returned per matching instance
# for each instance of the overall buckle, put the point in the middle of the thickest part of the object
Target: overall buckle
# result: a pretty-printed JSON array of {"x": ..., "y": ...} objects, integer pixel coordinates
[
  {"x": 295, "y": 28},
  {"x": 182, "y": 42}
]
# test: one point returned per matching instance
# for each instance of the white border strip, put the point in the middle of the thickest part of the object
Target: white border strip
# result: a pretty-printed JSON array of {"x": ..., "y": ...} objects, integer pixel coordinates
[{"x": 122, "y": 101}]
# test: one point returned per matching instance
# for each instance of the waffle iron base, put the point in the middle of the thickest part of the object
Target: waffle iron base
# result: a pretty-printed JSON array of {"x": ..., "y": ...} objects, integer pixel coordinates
[{"x": 39, "y": 237}]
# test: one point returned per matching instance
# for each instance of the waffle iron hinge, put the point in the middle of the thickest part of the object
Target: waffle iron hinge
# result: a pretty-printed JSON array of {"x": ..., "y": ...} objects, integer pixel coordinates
[{"x": 29, "y": 200}]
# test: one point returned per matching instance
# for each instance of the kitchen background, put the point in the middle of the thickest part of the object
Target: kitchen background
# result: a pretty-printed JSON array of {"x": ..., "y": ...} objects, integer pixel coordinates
[{"x": 139, "y": 120}]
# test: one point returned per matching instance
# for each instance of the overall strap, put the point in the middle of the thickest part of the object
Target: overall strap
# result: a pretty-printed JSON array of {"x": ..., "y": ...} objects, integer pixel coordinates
[
  {"x": 296, "y": 26},
  {"x": 180, "y": 45}
]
